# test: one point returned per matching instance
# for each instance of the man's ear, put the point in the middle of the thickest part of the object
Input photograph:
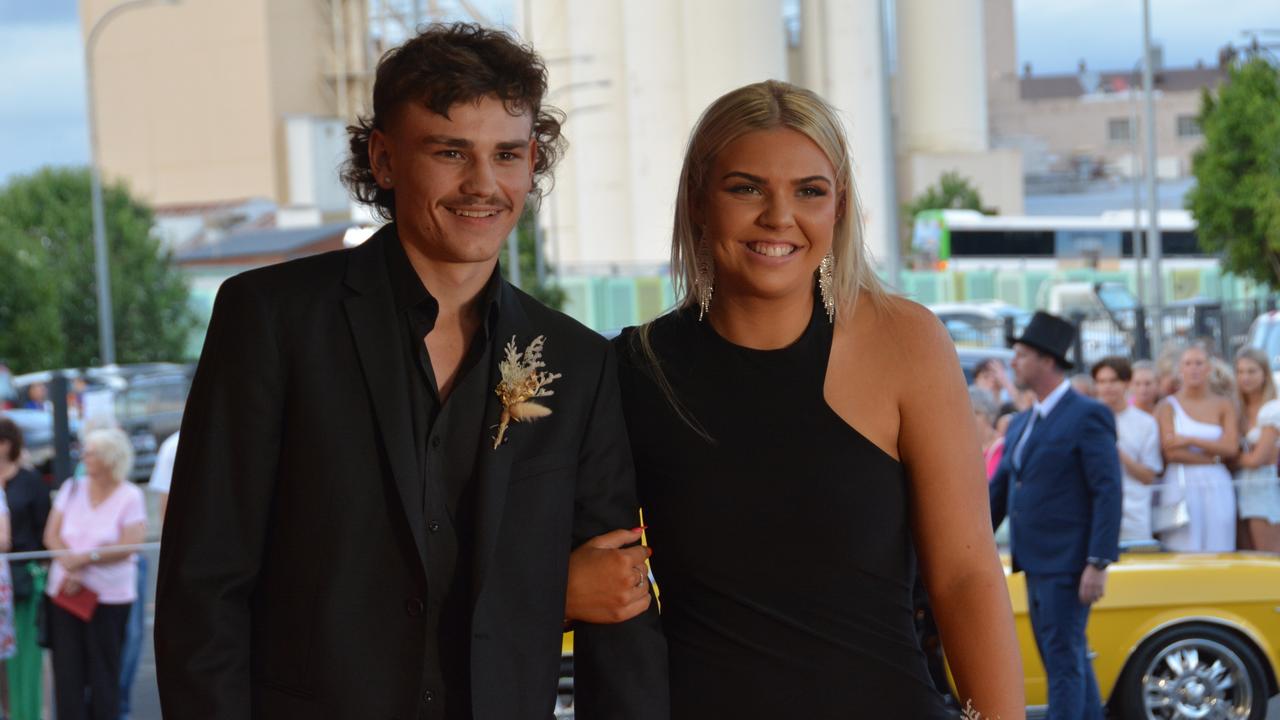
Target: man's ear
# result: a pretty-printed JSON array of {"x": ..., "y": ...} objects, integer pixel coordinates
[{"x": 380, "y": 159}]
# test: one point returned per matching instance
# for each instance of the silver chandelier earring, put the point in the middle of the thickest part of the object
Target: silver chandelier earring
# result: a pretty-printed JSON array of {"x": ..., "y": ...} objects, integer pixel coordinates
[
  {"x": 704, "y": 281},
  {"x": 826, "y": 285}
]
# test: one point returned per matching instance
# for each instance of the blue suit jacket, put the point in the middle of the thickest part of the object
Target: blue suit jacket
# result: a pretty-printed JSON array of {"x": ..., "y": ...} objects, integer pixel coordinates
[{"x": 1064, "y": 500}]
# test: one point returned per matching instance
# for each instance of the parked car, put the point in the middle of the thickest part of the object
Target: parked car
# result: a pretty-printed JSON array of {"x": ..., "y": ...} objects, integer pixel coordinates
[
  {"x": 1264, "y": 334},
  {"x": 1176, "y": 636},
  {"x": 37, "y": 435},
  {"x": 981, "y": 324},
  {"x": 149, "y": 410},
  {"x": 8, "y": 395}
]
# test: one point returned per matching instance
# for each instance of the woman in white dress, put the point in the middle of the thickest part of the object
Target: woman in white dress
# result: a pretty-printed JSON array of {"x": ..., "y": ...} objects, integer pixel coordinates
[
  {"x": 1257, "y": 485},
  {"x": 1198, "y": 432}
]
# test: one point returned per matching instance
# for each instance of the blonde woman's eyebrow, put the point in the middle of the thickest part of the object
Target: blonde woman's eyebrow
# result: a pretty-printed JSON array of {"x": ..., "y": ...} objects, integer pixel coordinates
[{"x": 761, "y": 181}]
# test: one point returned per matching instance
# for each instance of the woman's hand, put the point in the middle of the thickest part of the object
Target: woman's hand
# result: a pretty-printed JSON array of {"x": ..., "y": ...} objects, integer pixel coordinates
[
  {"x": 71, "y": 585},
  {"x": 608, "y": 583}
]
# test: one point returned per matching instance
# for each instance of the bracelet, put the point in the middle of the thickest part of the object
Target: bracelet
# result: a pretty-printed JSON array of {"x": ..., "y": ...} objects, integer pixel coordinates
[{"x": 94, "y": 556}]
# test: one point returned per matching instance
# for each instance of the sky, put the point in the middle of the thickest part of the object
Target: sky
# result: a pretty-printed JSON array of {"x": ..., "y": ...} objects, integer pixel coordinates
[{"x": 42, "y": 94}]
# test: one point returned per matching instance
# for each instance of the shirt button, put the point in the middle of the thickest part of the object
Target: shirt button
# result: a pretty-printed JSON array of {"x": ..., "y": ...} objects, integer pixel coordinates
[
  {"x": 413, "y": 606},
  {"x": 435, "y": 441},
  {"x": 428, "y": 696},
  {"x": 433, "y": 526}
]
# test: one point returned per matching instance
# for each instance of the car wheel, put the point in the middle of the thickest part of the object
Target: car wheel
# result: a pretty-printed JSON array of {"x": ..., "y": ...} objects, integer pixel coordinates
[{"x": 1192, "y": 672}]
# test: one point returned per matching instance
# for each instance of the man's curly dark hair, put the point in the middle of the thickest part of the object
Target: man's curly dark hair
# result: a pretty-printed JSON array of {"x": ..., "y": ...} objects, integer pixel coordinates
[{"x": 445, "y": 65}]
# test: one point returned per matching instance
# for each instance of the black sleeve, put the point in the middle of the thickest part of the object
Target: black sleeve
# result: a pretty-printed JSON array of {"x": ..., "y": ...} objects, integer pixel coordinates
[
  {"x": 620, "y": 671},
  {"x": 41, "y": 506},
  {"x": 216, "y": 524}
]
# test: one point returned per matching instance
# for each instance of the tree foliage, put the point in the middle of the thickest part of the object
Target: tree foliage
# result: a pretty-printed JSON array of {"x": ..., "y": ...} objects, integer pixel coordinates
[
  {"x": 1236, "y": 199},
  {"x": 953, "y": 191},
  {"x": 49, "y": 315},
  {"x": 547, "y": 292}
]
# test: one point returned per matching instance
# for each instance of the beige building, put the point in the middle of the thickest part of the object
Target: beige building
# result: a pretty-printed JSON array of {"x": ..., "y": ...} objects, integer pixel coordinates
[
  {"x": 194, "y": 99},
  {"x": 1083, "y": 122}
]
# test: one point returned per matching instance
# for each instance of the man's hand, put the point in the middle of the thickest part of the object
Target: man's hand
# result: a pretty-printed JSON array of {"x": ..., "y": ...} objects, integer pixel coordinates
[
  {"x": 1093, "y": 584},
  {"x": 607, "y": 582}
]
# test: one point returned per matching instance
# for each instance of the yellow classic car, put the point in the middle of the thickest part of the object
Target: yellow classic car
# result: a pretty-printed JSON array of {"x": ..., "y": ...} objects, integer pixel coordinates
[{"x": 1177, "y": 637}]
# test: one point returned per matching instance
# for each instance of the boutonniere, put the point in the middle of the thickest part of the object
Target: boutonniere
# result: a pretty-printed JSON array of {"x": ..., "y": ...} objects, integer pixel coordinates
[{"x": 522, "y": 381}]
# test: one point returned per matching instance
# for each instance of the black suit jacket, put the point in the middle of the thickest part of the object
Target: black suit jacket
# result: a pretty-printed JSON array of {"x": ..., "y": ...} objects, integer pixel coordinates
[{"x": 291, "y": 577}]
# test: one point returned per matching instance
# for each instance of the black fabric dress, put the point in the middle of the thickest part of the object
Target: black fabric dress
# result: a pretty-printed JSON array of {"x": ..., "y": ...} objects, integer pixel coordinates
[{"x": 782, "y": 551}]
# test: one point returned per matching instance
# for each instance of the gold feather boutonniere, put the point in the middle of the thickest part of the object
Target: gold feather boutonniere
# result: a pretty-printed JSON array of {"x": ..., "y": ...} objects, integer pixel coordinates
[{"x": 522, "y": 381}]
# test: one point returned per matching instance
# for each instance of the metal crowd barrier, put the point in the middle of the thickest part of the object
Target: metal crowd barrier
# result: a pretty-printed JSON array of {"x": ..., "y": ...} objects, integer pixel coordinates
[{"x": 50, "y": 554}]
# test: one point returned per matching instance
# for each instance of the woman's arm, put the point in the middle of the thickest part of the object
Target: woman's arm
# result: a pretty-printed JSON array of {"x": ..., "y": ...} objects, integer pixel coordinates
[
  {"x": 952, "y": 523},
  {"x": 132, "y": 534},
  {"x": 1227, "y": 446},
  {"x": 53, "y": 531},
  {"x": 1264, "y": 453},
  {"x": 1174, "y": 447},
  {"x": 6, "y": 538}
]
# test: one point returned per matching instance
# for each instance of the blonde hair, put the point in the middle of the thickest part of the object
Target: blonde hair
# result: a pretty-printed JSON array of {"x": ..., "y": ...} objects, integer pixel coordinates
[
  {"x": 770, "y": 105},
  {"x": 767, "y": 105},
  {"x": 1259, "y": 358}
]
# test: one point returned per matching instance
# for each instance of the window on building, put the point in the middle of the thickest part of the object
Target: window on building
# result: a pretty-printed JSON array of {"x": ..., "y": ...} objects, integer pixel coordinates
[
  {"x": 1188, "y": 126},
  {"x": 1118, "y": 130}
]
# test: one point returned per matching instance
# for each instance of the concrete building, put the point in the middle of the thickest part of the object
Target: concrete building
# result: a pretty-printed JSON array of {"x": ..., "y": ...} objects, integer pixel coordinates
[
  {"x": 1083, "y": 123},
  {"x": 632, "y": 79},
  {"x": 942, "y": 103},
  {"x": 195, "y": 101}
]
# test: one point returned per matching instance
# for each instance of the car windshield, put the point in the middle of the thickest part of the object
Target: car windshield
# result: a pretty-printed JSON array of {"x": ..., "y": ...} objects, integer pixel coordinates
[{"x": 1116, "y": 298}]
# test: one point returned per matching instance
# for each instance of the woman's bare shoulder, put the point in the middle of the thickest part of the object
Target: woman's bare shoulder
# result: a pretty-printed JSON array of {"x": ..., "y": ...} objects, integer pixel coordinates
[{"x": 904, "y": 324}]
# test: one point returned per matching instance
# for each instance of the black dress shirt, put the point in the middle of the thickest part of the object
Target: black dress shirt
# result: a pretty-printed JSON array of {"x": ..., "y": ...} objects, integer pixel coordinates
[{"x": 448, "y": 434}]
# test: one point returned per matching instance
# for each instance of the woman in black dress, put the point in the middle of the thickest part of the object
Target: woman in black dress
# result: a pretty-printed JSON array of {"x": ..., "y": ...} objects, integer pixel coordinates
[{"x": 798, "y": 435}]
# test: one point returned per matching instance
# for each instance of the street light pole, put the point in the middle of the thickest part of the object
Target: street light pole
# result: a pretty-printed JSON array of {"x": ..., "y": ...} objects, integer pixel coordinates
[
  {"x": 1153, "y": 201},
  {"x": 106, "y": 327}
]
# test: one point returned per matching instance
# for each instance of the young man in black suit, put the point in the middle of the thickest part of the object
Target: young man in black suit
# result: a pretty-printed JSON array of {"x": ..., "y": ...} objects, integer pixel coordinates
[{"x": 365, "y": 519}]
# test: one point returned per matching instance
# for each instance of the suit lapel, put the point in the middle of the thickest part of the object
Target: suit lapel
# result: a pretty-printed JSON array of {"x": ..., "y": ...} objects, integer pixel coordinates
[
  {"x": 1044, "y": 424},
  {"x": 493, "y": 467},
  {"x": 371, "y": 314}
]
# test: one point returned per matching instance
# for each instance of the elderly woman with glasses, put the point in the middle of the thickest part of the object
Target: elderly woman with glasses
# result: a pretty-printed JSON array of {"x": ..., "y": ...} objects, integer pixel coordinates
[{"x": 91, "y": 514}]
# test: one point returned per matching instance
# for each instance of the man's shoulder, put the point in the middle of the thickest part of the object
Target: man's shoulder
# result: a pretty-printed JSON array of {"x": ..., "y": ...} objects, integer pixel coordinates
[
  {"x": 291, "y": 276},
  {"x": 1139, "y": 419}
]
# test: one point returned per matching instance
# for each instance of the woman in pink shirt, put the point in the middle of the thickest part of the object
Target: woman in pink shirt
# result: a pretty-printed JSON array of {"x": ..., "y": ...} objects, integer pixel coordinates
[{"x": 98, "y": 510}]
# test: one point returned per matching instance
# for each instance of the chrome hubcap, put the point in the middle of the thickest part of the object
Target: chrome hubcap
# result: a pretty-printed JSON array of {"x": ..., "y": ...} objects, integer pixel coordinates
[{"x": 1197, "y": 679}]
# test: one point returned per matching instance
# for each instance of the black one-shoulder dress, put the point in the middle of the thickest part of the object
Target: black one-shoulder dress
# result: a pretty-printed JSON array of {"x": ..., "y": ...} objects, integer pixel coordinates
[{"x": 781, "y": 541}]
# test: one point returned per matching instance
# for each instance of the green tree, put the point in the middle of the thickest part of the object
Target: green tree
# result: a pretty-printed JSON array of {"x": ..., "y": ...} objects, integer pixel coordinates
[
  {"x": 50, "y": 210},
  {"x": 953, "y": 191},
  {"x": 1236, "y": 199},
  {"x": 30, "y": 328},
  {"x": 548, "y": 292}
]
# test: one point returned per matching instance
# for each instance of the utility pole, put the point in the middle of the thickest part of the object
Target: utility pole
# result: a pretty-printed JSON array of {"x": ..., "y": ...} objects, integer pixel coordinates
[{"x": 1153, "y": 201}]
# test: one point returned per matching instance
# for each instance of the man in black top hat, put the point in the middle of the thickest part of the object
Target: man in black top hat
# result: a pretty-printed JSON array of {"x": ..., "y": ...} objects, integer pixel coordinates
[{"x": 1059, "y": 484}]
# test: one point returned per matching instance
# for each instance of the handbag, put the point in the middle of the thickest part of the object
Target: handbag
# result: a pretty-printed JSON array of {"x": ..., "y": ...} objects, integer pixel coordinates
[{"x": 1165, "y": 518}]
